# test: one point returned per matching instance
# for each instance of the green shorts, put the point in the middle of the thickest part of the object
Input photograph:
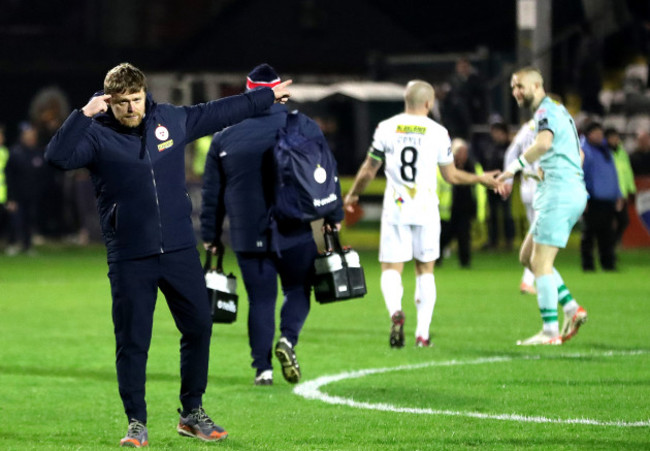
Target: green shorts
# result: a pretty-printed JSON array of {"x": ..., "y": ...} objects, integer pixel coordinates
[{"x": 558, "y": 206}]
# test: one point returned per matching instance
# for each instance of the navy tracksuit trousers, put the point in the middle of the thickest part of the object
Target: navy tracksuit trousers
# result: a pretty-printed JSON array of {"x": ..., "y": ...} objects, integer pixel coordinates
[
  {"x": 599, "y": 225},
  {"x": 134, "y": 287},
  {"x": 260, "y": 272}
]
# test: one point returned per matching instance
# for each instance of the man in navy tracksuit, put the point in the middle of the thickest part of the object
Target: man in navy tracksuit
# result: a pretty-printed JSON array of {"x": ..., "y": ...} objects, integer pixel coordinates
[
  {"x": 605, "y": 199},
  {"x": 134, "y": 150},
  {"x": 239, "y": 181}
]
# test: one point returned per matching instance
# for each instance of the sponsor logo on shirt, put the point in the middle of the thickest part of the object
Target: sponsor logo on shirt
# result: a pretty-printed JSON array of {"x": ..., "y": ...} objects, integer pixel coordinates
[
  {"x": 411, "y": 129},
  {"x": 328, "y": 200},
  {"x": 165, "y": 145}
]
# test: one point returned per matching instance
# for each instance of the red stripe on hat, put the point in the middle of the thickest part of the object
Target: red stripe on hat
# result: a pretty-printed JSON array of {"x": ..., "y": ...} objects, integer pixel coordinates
[{"x": 250, "y": 84}]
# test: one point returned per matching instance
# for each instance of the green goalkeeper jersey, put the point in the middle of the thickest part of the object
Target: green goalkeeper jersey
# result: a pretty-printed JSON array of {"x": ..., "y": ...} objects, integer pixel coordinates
[{"x": 562, "y": 161}]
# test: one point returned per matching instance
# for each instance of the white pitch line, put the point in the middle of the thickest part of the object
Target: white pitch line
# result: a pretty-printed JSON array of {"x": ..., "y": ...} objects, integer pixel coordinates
[{"x": 311, "y": 390}]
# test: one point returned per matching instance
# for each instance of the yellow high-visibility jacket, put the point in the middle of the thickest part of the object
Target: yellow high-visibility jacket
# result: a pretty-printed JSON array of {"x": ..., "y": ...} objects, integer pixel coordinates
[
  {"x": 445, "y": 197},
  {"x": 4, "y": 157}
]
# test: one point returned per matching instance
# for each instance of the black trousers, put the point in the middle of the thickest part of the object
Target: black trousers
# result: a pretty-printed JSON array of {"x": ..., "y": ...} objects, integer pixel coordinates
[
  {"x": 458, "y": 227},
  {"x": 134, "y": 286},
  {"x": 260, "y": 272},
  {"x": 599, "y": 227},
  {"x": 500, "y": 209},
  {"x": 22, "y": 223},
  {"x": 4, "y": 221},
  {"x": 622, "y": 221}
]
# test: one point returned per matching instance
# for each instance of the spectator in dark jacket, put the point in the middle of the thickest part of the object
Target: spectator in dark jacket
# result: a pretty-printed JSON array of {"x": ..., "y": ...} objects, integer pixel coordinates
[
  {"x": 463, "y": 206},
  {"x": 24, "y": 171},
  {"x": 239, "y": 182},
  {"x": 454, "y": 112},
  {"x": 134, "y": 149},
  {"x": 500, "y": 216},
  {"x": 604, "y": 200},
  {"x": 467, "y": 83}
]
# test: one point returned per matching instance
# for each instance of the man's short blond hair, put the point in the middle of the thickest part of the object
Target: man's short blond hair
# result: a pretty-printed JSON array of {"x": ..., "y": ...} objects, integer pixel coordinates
[
  {"x": 124, "y": 78},
  {"x": 417, "y": 93}
]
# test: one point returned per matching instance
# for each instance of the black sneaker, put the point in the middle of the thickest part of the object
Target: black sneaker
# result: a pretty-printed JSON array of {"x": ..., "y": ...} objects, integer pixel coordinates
[
  {"x": 198, "y": 424},
  {"x": 287, "y": 357},
  {"x": 397, "y": 330},
  {"x": 136, "y": 436}
]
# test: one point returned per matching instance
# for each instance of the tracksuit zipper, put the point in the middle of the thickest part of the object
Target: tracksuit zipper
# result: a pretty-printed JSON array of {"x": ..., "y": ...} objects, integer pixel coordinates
[{"x": 155, "y": 191}]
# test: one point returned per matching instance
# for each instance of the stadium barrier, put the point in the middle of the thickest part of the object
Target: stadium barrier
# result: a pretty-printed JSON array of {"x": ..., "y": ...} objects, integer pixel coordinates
[{"x": 637, "y": 233}]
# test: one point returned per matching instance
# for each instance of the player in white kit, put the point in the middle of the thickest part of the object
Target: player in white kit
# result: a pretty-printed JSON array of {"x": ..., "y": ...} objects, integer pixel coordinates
[
  {"x": 528, "y": 183},
  {"x": 411, "y": 146}
]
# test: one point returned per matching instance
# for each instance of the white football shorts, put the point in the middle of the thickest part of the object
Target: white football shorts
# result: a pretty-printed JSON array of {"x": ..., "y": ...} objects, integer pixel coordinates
[{"x": 402, "y": 243}]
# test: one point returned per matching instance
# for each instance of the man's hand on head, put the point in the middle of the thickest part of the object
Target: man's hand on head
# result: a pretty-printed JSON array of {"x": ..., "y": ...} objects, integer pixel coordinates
[{"x": 96, "y": 105}]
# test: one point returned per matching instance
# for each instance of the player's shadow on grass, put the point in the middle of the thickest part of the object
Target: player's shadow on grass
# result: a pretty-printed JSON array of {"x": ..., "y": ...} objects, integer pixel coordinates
[
  {"x": 609, "y": 347},
  {"x": 107, "y": 374},
  {"x": 340, "y": 331}
]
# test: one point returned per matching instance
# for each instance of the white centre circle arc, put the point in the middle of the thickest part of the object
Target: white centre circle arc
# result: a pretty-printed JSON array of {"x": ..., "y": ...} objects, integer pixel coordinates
[{"x": 312, "y": 390}]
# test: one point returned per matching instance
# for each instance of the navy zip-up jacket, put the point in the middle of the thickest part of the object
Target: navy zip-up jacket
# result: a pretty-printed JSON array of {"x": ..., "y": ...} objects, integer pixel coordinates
[
  {"x": 239, "y": 181},
  {"x": 139, "y": 173},
  {"x": 601, "y": 178}
]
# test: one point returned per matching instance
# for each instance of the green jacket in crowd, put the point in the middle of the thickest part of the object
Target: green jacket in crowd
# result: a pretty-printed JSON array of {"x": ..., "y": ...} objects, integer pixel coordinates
[
  {"x": 624, "y": 171},
  {"x": 4, "y": 157}
]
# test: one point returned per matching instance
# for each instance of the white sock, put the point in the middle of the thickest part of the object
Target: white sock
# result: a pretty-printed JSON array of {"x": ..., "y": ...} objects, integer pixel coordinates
[
  {"x": 552, "y": 329},
  {"x": 569, "y": 305},
  {"x": 425, "y": 301},
  {"x": 528, "y": 277},
  {"x": 392, "y": 289}
]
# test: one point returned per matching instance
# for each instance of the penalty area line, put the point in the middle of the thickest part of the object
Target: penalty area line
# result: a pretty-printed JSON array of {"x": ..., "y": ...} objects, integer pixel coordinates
[{"x": 311, "y": 390}]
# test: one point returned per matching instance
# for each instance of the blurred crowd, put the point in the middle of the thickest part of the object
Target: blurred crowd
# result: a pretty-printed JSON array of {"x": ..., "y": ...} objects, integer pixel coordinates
[{"x": 39, "y": 203}]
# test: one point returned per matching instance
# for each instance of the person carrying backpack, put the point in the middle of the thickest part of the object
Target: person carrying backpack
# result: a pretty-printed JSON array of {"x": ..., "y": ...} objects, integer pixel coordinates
[{"x": 244, "y": 171}]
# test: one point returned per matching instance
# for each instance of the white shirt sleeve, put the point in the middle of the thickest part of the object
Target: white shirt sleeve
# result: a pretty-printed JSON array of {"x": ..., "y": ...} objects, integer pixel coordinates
[{"x": 445, "y": 156}]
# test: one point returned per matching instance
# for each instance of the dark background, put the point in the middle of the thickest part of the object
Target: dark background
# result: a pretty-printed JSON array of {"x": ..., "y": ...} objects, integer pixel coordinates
[{"x": 71, "y": 44}]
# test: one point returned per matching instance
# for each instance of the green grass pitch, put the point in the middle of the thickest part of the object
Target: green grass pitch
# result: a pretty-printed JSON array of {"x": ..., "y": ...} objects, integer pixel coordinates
[{"x": 473, "y": 389}]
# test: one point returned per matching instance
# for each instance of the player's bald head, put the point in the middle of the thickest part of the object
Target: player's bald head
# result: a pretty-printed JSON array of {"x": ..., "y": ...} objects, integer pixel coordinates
[
  {"x": 458, "y": 145},
  {"x": 418, "y": 93},
  {"x": 530, "y": 76}
]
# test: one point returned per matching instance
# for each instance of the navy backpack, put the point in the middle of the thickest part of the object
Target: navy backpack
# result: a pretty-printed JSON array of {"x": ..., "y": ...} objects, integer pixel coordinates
[{"x": 306, "y": 183}]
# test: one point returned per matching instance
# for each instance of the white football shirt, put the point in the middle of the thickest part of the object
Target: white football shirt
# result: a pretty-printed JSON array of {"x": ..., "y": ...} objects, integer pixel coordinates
[
  {"x": 411, "y": 148},
  {"x": 524, "y": 138}
]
